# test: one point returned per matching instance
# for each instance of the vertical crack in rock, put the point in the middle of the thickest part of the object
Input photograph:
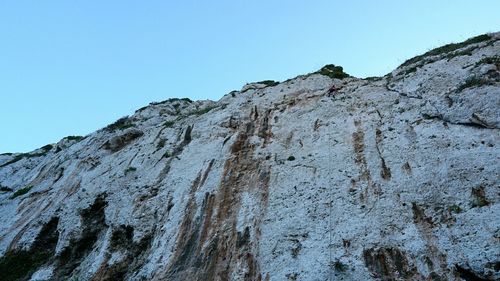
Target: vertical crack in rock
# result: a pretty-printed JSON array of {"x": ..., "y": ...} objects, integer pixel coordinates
[
  {"x": 209, "y": 209},
  {"x": 207, "y": 171},
  {"x": 166, "y": 168},
  {"x": 389, "y": 264},
  {"x": 175, "y": 153},
  {"x": 192, "y": 233},
  {"x": 93, "y": 223},
  {"x": 385, "y": 173},
  {"x": 187, "y": 136},
  {"x": 19, "y": 264},
  {"x": 254, "y": 114}
]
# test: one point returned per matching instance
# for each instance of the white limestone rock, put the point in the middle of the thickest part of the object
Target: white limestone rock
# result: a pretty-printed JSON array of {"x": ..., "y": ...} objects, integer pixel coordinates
[{"x": 393, "y": 178}]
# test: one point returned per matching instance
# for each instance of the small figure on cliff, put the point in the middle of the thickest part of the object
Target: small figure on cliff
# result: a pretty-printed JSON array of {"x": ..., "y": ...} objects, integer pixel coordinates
[{"x": 333, "y": 89}]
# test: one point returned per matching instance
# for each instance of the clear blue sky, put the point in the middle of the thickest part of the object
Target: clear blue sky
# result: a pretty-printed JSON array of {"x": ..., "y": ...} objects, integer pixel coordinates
[{"x": 71, "y": 67}]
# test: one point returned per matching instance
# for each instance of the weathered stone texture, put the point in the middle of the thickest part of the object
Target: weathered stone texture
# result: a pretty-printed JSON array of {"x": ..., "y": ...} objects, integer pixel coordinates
[{"x": 393, "y": 178}]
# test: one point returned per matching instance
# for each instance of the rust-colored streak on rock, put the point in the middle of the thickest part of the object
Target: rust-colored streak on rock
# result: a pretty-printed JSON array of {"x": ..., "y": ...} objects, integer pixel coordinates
[
  {"x": 241, "y": 173},
  {"x": 207, "y": 244},
  {"x": 407, "y": 168},
  {"x": 420, "y": 219},
  {"x": 265, "y": 128},
  {"x": 385, "y": 173},
  {"x": 425, "y": 226},
  {"x": 358, "y": 140},
  {"x": 252, "y": 274},
  {"x": 288, "y": 140},
  {"x": 190, "y": 262}
]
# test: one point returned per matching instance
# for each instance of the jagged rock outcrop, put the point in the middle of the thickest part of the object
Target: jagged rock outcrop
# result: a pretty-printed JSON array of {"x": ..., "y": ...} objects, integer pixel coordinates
[{"x": 320, "y": 177}]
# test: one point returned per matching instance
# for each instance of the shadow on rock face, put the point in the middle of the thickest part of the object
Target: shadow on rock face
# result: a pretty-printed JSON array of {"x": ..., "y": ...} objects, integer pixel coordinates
[
  {"x": 134, "y": 254},
  {"x": 20, "y": 264},
  {"x": 93, "y": 223}
]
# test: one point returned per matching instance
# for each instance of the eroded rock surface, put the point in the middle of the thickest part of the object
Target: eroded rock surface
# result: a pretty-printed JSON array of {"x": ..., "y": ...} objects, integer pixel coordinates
[{"x": 314, "y": 178}]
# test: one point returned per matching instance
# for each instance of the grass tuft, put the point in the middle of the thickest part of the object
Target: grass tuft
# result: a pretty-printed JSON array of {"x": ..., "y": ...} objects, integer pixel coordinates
[
  {"x": 455, "y": 209},
  {"x": 120, "y": 124},
  {"x": 489, "y": 60},
  {"x": 268, "y": 83},
  {"x": 21, "y": 191},
  {"x": 168, "y": 124},
  {"x": 74, "y": 138},
  {"x": 161, "y": 143},
  {"x": 471, "y": 82},
  {"x": 172, "y": 100},
  {"x": 333, "y": 71},
  {"x": 448, "y": 48},
  {"x": 130, "y": 170},
  {"x": 339, "y": 266},
  {"x": 204, "y": 110},
  {"x": 21, "y": 156},
  {"x": 47, "y": 147}
]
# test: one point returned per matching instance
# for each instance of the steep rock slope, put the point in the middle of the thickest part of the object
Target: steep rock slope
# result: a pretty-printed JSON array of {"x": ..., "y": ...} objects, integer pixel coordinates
[{"x": 320, "y": 177}]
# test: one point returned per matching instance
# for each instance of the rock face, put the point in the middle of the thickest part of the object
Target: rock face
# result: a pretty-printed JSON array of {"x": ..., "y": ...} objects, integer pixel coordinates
[{"x": 314, "y": 178}]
